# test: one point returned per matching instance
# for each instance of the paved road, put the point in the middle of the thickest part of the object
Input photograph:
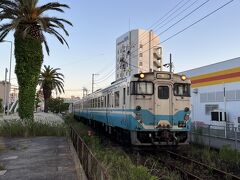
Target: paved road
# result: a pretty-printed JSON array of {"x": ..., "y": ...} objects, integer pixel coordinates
[{"x": 39, "y": 158}]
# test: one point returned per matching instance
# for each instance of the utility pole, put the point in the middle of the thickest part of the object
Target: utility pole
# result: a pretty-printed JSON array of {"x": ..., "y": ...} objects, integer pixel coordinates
[
  {"x": 5, "y": 91},
  {"x": 93, "y": 81},
  {"x": 170, "y": 64}
]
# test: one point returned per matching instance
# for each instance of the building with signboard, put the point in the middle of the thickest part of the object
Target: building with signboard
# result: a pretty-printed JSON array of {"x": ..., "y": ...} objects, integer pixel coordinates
[
  {"x": 215, "y": 93},
  {"x": 137, "y": 51}
]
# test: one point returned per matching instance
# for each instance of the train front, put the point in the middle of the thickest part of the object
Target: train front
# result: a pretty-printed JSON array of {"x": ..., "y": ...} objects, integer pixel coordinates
[{"x": 162, "y": 108}]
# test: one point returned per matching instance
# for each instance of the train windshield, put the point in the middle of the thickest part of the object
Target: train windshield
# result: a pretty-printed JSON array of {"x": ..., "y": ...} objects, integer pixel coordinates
[
  {"x": 182, "y": 89},
  {"x": 141, "y": 88}
]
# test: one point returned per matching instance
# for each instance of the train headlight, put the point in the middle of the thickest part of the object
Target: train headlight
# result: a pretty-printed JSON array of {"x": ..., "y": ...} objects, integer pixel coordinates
[
  {"x": 141, "y": 75},
  {"x": 183, "y": 77}
]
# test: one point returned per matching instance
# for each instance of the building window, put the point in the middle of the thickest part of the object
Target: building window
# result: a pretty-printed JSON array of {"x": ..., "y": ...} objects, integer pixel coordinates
[
  {"x": 140, "y": 54},
  {"x": 210, "y": 107},
  {"x": 140, "y": 46},
  {"x": 116, "y": 97},
  {"x": 140, "y": 63}
]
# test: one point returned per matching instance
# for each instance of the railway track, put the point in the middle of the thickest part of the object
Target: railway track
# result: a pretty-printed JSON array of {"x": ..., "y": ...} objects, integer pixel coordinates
[
  {"x": 173, "y": 161},
  {"x": 198, "y": 170}
]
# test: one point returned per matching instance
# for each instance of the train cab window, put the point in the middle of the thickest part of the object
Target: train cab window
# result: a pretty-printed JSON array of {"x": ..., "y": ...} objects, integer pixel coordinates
[
  {"x": 116, "y": 99},
  {"x": 141, "y": 88},
  {"x": 163, "y": 92},
  {"x": 182, "y": 89}
]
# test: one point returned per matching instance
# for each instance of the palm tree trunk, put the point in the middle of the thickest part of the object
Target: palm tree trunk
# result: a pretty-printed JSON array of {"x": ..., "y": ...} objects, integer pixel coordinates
[
  {"x": 29, "y": 58},
  {"x": 47, "y": 94}
]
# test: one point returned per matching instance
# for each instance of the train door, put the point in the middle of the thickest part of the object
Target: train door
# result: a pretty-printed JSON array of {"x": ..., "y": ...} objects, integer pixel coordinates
[{"x": 163, "y": 103}]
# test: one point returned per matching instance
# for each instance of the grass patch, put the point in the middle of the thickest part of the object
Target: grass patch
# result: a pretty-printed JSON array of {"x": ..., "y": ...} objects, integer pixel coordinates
[
  {"x": 119, "y": 166},
  {"x": 13, "y": 148},
  {"x": 1, "y": 167},
  {"x": 17, "y": 128},
  {"x": 230, "y": 155}
]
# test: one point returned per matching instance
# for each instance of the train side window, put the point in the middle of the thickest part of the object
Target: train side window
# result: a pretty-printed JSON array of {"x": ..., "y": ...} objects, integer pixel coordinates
[
  {"x": 128, "y": 90},
  {"x": 116, "y": 98},
  {"x": 105, "y": 101},
  {"x": 102, "y": 102},
  {"x": 108, "y": 96},
  {"x": 99, "y": 102},
  {"x": 95, "y": 102},
  {"x": 124, "y": 96},
  {"x": 163, "y": 92}
]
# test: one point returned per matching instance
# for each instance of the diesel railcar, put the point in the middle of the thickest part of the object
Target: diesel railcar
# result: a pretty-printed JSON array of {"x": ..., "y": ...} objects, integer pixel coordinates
[{"x": 145, "y": 109}]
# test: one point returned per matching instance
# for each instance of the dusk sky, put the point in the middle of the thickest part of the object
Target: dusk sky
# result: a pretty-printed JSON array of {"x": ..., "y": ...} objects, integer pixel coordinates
[{"x": 97, "y": 25}]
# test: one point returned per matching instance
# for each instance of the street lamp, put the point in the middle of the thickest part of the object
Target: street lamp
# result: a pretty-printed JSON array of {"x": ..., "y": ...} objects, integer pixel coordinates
[{"x": 10, "y": 69}]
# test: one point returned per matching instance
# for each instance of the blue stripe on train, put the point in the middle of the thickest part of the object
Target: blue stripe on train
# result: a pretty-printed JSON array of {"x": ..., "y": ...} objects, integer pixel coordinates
[{"x": 127, "y": 121}]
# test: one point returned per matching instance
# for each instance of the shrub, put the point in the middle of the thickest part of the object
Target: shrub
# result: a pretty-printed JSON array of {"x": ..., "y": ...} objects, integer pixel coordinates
[
  {"x": 19, "y": 128},
  {"x": 1, "y": 106}
]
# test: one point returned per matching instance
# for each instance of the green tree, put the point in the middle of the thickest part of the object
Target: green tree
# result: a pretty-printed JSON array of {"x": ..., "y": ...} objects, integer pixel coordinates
[
  {"x": 57, "y": 105},
  {"x": 50, "y": 80},
  {"x": 37, "y": 101},
  {"x": 1, "y": 106},
  {"x": 26, "y": 18}
]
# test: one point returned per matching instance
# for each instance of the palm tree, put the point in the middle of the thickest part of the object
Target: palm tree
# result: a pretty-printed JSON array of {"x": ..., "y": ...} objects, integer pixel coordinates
[
  {"x": 49, "y": 80},
  {"x": 29, "y": 24}
]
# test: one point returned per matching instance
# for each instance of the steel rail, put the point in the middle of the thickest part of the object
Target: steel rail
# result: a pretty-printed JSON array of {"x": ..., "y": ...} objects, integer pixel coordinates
[
  {"x": 214, "y": 170},
  {"x": 184, "y": 173}
]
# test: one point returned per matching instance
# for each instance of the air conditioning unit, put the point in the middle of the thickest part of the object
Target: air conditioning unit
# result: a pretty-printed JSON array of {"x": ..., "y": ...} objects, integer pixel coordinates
[{"x": 218, "y": 116}]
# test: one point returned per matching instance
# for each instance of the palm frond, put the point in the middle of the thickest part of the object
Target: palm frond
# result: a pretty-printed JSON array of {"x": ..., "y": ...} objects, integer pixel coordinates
[{"x": 26, "y": 16}]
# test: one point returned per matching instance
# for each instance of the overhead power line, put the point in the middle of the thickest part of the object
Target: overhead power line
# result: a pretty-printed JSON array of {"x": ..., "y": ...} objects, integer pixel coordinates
[
  {"x": 184, "y": 29},
  {"x": 162, "y": 19},
  {"x": 194, "y": 10},
  {"x": 198, "y": 21}
]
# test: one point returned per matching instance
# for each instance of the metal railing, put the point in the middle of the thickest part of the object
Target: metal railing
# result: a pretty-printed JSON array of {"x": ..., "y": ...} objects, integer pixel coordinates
[
  {"x": 215, "y": 136},
  {"x": 92, "y": 167},
  {"x": 227, "y": 132}
]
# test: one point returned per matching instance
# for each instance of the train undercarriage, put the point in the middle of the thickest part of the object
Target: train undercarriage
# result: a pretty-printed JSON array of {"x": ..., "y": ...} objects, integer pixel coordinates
[{"x": 162, "y": 137}]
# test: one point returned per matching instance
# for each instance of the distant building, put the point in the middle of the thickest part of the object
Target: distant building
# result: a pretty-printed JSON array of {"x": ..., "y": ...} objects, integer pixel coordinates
[
  {"x": 137, "y": 51},
  {"x": 4, "y": 92},
  {"x": 215, "y": 90}
]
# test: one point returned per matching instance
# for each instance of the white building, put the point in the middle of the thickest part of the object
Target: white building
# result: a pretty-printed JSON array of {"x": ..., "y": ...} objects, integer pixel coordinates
[
  {"x": 137, "y": 51},
  {"x": 4, "y": 92},
  {"x": 216, "y": 88}
]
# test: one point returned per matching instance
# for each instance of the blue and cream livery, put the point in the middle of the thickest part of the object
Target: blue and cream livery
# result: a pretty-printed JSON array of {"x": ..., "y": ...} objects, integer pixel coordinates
[{"x": 145, "y": 109}]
